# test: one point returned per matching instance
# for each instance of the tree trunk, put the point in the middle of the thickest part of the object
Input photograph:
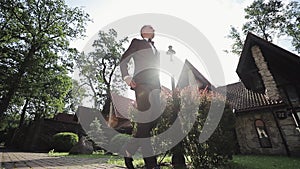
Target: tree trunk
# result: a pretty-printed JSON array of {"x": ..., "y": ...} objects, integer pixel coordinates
[
  {"x": 106, "y": 107},
  {"x": 178, "y": 160},
  {"x": 23, "y": 113},
  {"x": 7, "y": 98},
  {"x": 15, "y": 82}
]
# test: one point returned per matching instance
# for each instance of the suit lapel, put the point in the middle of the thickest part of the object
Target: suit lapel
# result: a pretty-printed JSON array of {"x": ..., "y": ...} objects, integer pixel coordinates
[
  {"x": 148, "y": 45},
  {"x": 155, "y": 53}
]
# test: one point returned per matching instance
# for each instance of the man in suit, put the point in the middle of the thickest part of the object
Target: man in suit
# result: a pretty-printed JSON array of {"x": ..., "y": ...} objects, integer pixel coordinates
[{"x": 146, "y": 84}]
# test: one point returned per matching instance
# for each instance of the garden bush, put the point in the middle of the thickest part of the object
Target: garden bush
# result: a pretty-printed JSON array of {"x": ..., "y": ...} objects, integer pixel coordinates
[
  {"x": 218, "y": 149},
  {"x": 214, "y": 152},
  {"x": 96, "y": 134},
  {"x": 64, "y": 141},
  {"x": 117, "y": 142}
]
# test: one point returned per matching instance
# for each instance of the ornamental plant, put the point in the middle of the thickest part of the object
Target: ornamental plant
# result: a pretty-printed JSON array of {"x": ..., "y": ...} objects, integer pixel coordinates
[
  {"x": 218, "y": 149},
  {"x": 64, "y": 141},
  {"x": 192, "y": 106}
]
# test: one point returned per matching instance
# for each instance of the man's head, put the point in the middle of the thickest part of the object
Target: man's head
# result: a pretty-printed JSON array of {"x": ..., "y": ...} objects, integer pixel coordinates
[{"x": 147, "y": 32}]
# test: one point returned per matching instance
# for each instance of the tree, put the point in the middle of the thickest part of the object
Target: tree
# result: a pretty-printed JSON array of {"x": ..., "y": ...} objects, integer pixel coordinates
[
  {"x": 43, "y": 99},
  {"x": 292, "y": 28},
  {"x": 34, "y": 42},
  {"x": 75, "y": 96},
  {"x": 99, "y": 68},
  {"x": 96, "y": 133},
  {"x": 49, "y": 100},
  {"x": 268, "y": 20},
  {"x": 264, "y": 19},
  {"x": 40, "y": 94},
  {"x": 237, "y": 46}
]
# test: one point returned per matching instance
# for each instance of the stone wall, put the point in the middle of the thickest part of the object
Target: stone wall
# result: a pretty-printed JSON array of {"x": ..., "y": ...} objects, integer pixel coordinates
[
  {"x": 291, "y": 134},
  {"x": 248, "y": 138}
]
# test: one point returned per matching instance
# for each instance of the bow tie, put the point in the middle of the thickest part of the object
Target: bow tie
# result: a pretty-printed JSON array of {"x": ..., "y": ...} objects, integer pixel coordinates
[{"x": 150, "y": 41}]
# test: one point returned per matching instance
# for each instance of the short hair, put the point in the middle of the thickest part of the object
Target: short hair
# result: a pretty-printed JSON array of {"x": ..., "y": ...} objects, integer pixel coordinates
[{"x": 145, "y": 26}]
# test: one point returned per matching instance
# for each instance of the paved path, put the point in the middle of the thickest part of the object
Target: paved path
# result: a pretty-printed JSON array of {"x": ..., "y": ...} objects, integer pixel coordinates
[{"x": 26, "y": 160}]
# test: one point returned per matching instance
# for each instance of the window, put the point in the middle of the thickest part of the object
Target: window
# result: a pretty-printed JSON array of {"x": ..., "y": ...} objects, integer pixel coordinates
[
  {"x": 262, "y": 134},
  {"x": 297, "y": 119}
]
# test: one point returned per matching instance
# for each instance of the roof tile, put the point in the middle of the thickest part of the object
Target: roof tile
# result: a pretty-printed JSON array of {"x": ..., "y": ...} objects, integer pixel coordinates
[{"x": 241, "y": 98}]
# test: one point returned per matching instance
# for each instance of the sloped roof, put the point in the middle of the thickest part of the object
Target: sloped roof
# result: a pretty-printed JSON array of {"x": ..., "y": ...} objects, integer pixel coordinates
[
  {"x": 183, "y": 78},
  {"x": 87, "y": 115},
  {"x": 64, "y": 117},
  {"x": 242, "y": 99},
  {"x": 122, "y": 105},
  {"x": 284, "y": 65}
]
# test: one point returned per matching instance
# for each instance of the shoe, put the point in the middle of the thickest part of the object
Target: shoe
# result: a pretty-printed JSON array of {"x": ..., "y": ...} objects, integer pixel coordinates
[{"x": 128, "y": 163}]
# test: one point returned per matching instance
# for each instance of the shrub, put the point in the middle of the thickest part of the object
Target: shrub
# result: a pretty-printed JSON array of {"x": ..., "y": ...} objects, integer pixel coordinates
[
  {"x": 96, "y": 133},
  {"x": 64, "y": 141},
  {"x": 219, "y": 148},
  {"x": 118, "y": 141}
]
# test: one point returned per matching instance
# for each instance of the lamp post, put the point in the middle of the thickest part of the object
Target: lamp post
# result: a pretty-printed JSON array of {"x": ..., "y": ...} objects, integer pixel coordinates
[
  {"x": 178, "y": 160},
  {"x": 171, "y": 53}
]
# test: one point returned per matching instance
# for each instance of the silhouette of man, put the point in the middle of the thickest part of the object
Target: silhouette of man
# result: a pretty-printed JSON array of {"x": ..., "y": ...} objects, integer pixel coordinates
[{"x": 146, "y": 84}]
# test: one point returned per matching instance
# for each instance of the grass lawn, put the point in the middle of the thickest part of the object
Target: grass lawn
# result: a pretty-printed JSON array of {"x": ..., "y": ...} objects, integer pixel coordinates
[
  {"x": 140, "y": 162},
  {"x": 238, "y": 162},
  {"x": 265, "y": 162},
  {"x": 98, "y": 154}
]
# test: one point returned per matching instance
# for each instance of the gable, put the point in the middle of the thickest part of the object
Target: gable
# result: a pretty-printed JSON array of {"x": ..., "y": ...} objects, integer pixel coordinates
[
  {"x": 283, "y": 65},
  {"x": 183, "y": 80}
]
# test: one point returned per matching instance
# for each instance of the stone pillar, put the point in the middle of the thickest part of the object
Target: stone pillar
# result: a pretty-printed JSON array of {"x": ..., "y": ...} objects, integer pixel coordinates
[{"x": 271, "y": 88}]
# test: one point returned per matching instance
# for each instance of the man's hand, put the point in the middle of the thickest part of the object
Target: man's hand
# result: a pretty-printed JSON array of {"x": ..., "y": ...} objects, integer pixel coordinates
[{"x": 130, "y": 82}]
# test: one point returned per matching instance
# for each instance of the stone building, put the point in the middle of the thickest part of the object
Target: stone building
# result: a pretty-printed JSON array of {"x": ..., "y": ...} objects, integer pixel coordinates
[
  {"x": 263, "y": 126},
  {"x": 266, "y": 101}
]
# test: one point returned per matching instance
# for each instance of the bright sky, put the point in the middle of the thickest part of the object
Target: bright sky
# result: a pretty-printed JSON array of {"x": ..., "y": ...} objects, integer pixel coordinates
[{"x": 212, "y": 18}]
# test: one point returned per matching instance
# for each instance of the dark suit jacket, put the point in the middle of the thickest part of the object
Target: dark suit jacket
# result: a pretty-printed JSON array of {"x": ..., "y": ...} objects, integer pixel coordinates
[{"x": 146, "y": 62}]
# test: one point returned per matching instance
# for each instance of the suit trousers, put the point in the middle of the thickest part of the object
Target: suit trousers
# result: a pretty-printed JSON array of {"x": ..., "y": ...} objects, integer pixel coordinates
[{"x": 147, "y": 98}]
